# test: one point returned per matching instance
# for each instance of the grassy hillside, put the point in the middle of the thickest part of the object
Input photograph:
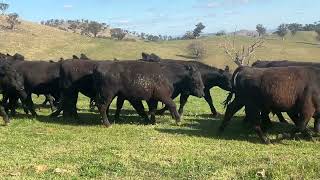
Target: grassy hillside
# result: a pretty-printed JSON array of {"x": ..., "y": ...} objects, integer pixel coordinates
[
  {"x": 45, "y": 148},
  {"x": 41, "y": 42}
]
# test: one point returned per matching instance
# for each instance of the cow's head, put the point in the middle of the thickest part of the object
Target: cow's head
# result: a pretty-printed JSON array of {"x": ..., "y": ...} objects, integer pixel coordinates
[
  {"x": 224, "y": 80},
  {"x": 195, "y": 84},
  {"x": 11, "y": 79}
]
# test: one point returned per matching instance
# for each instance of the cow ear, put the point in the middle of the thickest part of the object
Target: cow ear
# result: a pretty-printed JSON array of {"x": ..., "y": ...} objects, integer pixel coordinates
[
  {"x": 227, "y": 69},
  {"x": 75, "y": 57},
  {"x": 144, "y": 56}
]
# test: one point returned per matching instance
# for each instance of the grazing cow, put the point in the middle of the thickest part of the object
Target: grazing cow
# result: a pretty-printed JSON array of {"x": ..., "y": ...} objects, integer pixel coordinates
[
  {"x": 11, "y": 81},
  {"x": 211, "y": 77},
  {"x": 294, "y": 90},
  {"x": 177, "y": 74},
  {"x": 138, "y": 80}
]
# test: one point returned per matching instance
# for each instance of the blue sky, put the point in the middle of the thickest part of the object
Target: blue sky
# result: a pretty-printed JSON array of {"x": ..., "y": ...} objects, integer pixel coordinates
[{"x": 172, "y": 17}]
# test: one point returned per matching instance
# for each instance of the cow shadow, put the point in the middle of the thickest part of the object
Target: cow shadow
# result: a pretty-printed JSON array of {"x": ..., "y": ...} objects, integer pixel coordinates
[
  {"x": 236, "y": 130},
  {"x": 89, "y": 118}
]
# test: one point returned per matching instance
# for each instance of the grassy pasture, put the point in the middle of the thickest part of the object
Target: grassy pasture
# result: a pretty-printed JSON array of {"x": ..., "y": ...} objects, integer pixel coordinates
[
  {"x": 62, "y": 149},
  {"x": 56, "y": 148}
]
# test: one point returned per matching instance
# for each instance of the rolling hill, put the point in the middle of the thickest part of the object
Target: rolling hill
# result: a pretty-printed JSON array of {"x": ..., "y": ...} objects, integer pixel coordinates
[{"x": 39, "y": 42}]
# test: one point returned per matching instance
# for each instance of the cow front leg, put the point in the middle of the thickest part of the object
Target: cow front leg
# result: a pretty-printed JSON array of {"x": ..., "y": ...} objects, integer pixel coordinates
[
  {"x": 172, "y": 108},
  {"x": 4, "y": 115},
  {"x": 183, "y": 101},
  {"x": 208, "y": 98}
]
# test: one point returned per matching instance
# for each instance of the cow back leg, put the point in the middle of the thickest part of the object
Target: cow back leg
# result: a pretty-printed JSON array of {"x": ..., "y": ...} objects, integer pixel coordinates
[
  {"x": 265, "y": 119},
  {"x": 152, "y": 109},
  {"x": 138, "y": 106},
  {"x": 208, "y": 98},
  {"x": 119, "y": 104},
  {"x": 30, "y": 105},
  {"x": 307, "y": 111},
  {"x": 255, "y": 117},
  {"x": 103, "y": 106},
  {"x": 172, "y": 108},
  {"x": 165, "y": 108},
  {"x": 232, "y": 108}
]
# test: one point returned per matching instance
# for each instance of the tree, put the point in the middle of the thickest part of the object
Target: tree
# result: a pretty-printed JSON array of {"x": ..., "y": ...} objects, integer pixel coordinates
[
  {"x": 117, "y": 33},
  {"x": 188, "y": 35},
  {"x": 13, "y": 20},
  {"x": 261, "y": 29},
  {"x": 3, "y": 7},
  {"x": 199, "y": 27},
  {"x": 282, "y": 30},
  {"x": 221, "y": 33},
  {"x": 197, "y": 49},
  {"x": 294, "y": 28},
  {"x": 94, "y": 28}
]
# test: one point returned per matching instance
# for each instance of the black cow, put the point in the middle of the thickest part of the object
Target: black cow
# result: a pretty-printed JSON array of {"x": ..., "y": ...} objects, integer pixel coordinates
[
  {"x": 294, "y": 90},
  {"x": 11, "y": 81},
  {"x": 40, "y": 77},
  {"x": 178, "y": 75},
  {"x": 281, "y": 63},
  {"x": 76, "y": 76},
  {"x": 211, "y": 77},
  {"x": 138, "y": 80}
]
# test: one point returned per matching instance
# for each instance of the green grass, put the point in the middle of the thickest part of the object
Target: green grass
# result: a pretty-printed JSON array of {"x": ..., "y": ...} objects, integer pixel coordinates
[{"x": 56, "y": 148}]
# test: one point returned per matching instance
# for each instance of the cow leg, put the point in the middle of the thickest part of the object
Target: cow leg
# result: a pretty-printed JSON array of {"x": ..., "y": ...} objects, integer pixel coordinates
[
  {"x": 208, "y": 98},
  {"x": 120, "y": 102},
  {"x": 45, "y": 100},
  {"x": 30, "y": 105},
  {"x": 13, "y": 103},
  {"x": 281, "y": 118},
  {"x": 138, "y": 106},
  {"x": 152, "y": 109},
  {"x": 4, "y": 115},
  {"x": 172, "y": 108},
  {"x": 91, "y": 106},
  {"x": 183, "y": 101},
  {"x": 232, "y": 108},
  {"x": 174, "y": 95},
  {"x": 103, "y": 107},
  {"x": 266, "y": 122},
  {"x": 50, "y": 99}
]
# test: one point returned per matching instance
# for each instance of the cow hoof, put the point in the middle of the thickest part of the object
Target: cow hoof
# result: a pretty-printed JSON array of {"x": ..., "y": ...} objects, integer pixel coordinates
[{"x": 178, "y": 123}]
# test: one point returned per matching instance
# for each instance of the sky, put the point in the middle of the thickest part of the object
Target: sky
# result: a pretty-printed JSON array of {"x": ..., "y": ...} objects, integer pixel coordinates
[{"x": 172, "y": 17}]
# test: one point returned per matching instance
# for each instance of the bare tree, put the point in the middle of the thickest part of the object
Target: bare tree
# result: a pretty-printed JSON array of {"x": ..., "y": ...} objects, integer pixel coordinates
[
  {"x": 242, "y": 55},
  {"x": 3, "y": 7},
  {"x": 13, "y": 20}
]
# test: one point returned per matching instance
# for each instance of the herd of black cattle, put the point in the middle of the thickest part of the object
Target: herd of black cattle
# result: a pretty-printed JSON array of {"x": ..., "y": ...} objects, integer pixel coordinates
[{"x": 267, "y": 86}]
